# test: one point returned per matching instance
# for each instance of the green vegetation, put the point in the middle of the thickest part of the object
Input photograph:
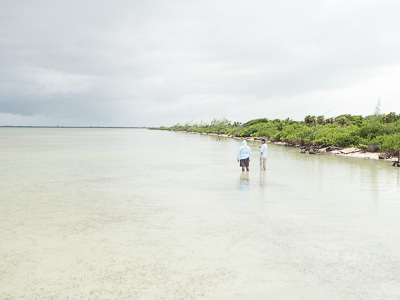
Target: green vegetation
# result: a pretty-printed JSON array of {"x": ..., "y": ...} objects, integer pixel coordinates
[{"x": 378, "y": 132}]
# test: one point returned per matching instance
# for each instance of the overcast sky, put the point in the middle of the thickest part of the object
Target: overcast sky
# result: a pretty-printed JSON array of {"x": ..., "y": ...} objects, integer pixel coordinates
[{"x": 158, "y": 62}]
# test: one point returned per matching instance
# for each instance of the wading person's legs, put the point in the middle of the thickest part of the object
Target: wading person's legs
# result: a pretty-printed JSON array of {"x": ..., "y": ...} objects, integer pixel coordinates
[
  {"x": 244, "y": 163},
  {"x": 263, "y": 163}
]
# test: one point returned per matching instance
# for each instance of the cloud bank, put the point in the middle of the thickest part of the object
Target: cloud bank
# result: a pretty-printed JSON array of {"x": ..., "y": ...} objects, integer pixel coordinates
[{"x": 151, "y": 63}]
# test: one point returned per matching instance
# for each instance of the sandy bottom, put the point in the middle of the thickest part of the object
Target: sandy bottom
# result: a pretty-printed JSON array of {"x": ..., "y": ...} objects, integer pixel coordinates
[{"x": 100, "y": 214}]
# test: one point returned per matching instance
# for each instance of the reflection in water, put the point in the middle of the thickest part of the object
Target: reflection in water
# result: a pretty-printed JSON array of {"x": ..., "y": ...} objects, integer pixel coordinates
[
  {"x": 263, "y": 179},
  {"x": 244, "y": 182},
  {"x": 243, "y": 186}
]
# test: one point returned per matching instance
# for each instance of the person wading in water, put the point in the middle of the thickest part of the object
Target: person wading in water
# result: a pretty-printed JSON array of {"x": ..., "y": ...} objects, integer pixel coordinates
[
  {"x": 263, "y": 155},
  {"x": 243, "y": 156}
]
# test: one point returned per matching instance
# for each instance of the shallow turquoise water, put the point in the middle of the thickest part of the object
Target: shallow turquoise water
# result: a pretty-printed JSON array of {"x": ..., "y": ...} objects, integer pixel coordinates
[{"x": 139, "y": 214}]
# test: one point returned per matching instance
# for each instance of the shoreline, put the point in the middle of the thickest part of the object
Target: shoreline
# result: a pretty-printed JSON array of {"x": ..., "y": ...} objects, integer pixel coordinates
[{"x": 345, "y": 152}]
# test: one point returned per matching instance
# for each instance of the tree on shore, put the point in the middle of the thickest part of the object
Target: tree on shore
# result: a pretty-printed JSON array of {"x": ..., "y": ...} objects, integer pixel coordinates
[{"x": 377, "y": 132}]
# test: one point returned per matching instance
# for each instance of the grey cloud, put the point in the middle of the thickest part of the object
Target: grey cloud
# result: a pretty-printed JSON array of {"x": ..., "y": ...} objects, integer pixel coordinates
[{"x": 98, "y": 61}]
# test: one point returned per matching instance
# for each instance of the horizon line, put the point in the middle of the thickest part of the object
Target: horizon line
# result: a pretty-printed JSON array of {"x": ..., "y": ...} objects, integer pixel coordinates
[{"x": 59, "y": 126}]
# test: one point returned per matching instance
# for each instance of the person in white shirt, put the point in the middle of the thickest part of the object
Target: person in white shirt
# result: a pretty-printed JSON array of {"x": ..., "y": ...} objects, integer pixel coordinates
[{"x": 263, "y": 155}]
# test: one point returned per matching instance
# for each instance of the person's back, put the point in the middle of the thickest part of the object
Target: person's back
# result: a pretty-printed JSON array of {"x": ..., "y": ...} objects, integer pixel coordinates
[{"x": 243, "y": 156}]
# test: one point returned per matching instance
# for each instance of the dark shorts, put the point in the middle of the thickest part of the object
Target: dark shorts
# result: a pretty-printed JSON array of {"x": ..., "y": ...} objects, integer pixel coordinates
[{"x": 244, "y": 162}]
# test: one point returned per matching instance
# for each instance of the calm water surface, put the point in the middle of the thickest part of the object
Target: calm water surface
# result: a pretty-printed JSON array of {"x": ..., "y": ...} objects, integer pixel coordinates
[{"x": 138, "y": 214}]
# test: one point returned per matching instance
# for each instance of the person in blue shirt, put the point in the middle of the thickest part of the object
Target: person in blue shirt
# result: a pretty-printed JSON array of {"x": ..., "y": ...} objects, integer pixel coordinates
[{"x": 244, "y": 155}]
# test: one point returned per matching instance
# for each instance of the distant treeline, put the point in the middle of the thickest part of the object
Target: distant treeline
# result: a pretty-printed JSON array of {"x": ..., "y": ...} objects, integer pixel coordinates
[{"x": 378, "y": 132}]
